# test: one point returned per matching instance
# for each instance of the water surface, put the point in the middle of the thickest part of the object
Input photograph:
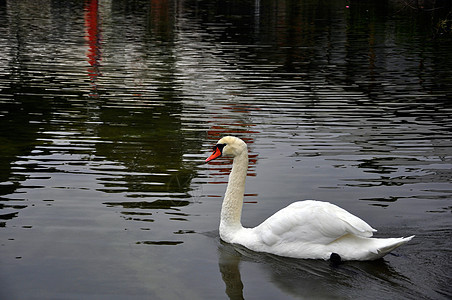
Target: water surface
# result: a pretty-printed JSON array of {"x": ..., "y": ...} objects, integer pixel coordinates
[{"x": 108, "y": 110}]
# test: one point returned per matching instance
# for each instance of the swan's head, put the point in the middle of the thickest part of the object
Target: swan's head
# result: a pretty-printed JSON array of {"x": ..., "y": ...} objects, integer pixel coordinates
[{"x": 228, "y": 146}]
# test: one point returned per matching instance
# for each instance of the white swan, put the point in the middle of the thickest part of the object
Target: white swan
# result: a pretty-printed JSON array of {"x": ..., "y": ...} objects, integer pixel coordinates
[{"x": 304, "y": 229}]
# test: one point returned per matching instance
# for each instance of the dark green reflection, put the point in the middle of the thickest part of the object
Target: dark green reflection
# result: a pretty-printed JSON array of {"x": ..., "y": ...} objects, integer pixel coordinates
[{"x": 158, "y": 204}]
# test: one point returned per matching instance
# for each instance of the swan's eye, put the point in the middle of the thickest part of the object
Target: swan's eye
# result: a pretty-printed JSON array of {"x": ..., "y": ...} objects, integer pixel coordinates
[{"x": 219, "y": 147}]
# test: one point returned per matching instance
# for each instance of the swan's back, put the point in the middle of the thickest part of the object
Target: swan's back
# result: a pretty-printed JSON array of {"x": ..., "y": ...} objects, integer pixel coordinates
[
  {"x": 312, "y": 221},
  {"x": 314, "y": 229}
]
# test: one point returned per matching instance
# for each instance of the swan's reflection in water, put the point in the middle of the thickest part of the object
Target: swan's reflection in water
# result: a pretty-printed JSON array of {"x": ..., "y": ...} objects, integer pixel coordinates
[
  {"x": 228, "y": 261},
  {"x": 310, "y": 279}
]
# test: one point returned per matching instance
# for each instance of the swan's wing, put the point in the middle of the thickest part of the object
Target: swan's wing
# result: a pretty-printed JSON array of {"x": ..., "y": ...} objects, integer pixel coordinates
[{"x": 311, "y": 222}]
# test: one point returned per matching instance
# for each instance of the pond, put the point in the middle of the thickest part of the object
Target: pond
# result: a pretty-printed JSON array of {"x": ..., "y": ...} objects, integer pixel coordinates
[{"x": 108, "y": 110}]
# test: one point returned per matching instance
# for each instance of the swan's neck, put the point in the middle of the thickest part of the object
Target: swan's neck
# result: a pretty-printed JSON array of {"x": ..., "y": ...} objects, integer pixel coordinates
[{"x": 231, "y": 210}]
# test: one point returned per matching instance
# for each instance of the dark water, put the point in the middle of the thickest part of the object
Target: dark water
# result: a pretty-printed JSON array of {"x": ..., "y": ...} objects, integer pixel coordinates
[{"x": 109, "y": 108}]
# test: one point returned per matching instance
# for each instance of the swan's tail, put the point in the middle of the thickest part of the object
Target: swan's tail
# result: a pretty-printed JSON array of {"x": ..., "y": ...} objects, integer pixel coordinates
[{"x": 387, "y": 245}]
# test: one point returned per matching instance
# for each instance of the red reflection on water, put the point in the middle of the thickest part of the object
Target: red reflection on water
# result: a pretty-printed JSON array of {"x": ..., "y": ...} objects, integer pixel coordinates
[
  {"x": 93, "y": 38},
  {"x": 160, "y": 14}
]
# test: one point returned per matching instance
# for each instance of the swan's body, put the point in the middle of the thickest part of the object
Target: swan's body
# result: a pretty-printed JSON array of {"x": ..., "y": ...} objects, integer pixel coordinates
[{"x": 304, "y": 229}]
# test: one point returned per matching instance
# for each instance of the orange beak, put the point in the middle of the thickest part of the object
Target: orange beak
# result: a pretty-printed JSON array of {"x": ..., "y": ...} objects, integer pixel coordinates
[{"x": 216, "y": 153}]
